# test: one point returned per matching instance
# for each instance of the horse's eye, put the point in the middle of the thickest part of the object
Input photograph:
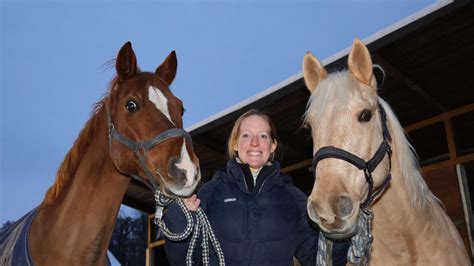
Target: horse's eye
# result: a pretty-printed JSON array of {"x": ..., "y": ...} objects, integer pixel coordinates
[
  {"x": 182, "y": 112},
  {"x": 365, "y": 115},
  {"x": 131, "y": 106}
]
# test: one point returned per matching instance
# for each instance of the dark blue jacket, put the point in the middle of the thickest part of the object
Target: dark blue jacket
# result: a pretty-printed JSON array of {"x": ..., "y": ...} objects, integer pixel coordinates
[{"x": 267, "y": 226}]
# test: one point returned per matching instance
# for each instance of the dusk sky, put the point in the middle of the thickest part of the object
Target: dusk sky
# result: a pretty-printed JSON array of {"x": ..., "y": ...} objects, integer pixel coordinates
[{"x": 54, "y": 56}]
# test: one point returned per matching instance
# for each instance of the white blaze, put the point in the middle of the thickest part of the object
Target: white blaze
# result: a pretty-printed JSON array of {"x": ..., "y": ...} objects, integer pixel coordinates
[
  {"x": 187, "y": 165},
  {"x": 161, "y": 102}
]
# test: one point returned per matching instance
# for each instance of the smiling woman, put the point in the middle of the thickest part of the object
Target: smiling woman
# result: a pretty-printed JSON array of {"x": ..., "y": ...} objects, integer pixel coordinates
[
  {"x": 253, "y": 139},
  {"x": 257, "y": 215}
]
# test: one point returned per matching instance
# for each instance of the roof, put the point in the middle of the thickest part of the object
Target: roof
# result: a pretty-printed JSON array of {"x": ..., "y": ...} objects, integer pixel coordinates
[{"x": 427, "y": 58}]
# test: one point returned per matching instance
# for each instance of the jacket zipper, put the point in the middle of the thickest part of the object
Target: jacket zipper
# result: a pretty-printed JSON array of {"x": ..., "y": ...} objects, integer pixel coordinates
[
  {"x": 260, "y": 189},
  {"x": 258, "y": 221},
  {"x": 245, "y": 181}
]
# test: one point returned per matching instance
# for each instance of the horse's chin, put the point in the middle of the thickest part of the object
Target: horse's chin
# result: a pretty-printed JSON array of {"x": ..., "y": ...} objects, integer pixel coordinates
[
  {"x": 181, "y": 192},
  {"x": 336, "y": 235},
  {"x": 349, "y": 229}
]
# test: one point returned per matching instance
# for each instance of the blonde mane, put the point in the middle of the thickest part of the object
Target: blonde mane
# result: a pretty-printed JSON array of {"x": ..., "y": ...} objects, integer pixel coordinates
[
  {"x": 407, "y": 161},
  {"x": 334, "y": 89},
  {"x": 72, "y": 159},
  {"x": 334, "y": 92},
  {"x": 420, "y": 196}
]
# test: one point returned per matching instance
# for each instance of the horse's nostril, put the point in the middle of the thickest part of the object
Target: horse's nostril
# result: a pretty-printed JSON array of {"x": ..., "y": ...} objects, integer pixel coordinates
[
  {"x": 323, "y": 220},
  {"x": 174, "y": 171},
  {"x": 344, "y": 206}
]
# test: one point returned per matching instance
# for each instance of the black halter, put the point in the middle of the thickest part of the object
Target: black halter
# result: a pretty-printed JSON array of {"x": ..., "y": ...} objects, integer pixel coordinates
[
  {"x": 141, "y": 147},
  {"x": 367, "y": 166}
]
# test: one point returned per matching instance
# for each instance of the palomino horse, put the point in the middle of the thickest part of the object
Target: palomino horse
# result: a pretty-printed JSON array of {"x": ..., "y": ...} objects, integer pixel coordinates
[
  {"x": 354, "y": 134},
  {"x": 135, "y": 131}
]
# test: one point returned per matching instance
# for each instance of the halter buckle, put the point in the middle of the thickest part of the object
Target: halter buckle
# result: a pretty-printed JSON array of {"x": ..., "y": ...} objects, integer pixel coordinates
[
  {"x": 139, "y": 147},
  {"x": 111, "y": 128}
]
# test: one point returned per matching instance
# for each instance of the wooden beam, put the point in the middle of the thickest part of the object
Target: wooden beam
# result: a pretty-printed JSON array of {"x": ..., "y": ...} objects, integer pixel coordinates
[
  {"x": 297, "y": 166},
  {"x": 147, "y": 257},
  {"x": 150, "y": 219},
  {"x": 157, "y": 243},
  {"x": 448, "y": 127},
  {"x": 439, "y": 118},
  {"x": 462, "y": 159}
]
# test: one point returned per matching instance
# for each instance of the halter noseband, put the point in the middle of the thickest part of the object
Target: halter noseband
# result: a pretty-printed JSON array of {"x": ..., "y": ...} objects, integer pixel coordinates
[
  {"x": 142, "y": 147},
  {"x": 367, "y": 166}
]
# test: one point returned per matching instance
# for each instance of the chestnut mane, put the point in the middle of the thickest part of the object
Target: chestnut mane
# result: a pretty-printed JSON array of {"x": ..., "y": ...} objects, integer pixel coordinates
[{"x": 72, "y": 159}]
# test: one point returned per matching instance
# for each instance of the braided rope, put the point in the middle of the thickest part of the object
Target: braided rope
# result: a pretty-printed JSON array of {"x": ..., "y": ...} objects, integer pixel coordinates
[
  {"x": 324, "y": 254},
  {"x": 161, "y": 202},
  {"x": 202, "y": 226},
  {"x": 205, "y": 243},
  {"x": 361, "y": 243},
  {"x": 192, "y": 244},
  {"x": 206, "y": 227}
]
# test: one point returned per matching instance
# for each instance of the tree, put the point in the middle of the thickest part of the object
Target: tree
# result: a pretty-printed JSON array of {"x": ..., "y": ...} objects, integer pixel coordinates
[
  {"x": 5, "y": 226},
  {"x": 129, "y": 239}
]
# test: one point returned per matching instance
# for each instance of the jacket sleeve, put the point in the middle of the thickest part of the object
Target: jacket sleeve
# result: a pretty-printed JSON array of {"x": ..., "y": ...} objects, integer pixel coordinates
[
  {"x": 307, "y": 237},
  {"x": 175, "y": 220},
  {"x": 306, "y": 233}
]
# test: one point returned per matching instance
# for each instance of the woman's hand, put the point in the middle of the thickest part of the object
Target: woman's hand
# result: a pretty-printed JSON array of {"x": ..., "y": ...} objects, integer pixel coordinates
[{"x": 192, "y": 203}]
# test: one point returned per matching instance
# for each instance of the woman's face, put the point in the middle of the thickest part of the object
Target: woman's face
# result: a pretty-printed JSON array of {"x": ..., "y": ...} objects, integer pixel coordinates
[{"x": 254, "y": 142}]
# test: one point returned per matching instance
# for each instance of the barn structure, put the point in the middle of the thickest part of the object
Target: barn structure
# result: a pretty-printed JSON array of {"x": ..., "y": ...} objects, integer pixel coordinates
[{"x": 429, "y": 63}]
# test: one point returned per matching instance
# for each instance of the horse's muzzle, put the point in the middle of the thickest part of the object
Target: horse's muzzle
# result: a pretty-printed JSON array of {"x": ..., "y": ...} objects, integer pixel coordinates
[{"x": 336, "y": 223}]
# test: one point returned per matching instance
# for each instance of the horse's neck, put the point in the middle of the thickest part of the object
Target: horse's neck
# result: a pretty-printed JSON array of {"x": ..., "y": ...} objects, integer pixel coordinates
[
  {"x": 404, "y": 235},
  {"x": 79, "y": 224},
  {"x": 393, "y": 213}
]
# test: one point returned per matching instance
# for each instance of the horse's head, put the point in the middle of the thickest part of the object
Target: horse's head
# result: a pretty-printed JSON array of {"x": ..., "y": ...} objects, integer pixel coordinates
[
  {"x": 343, "y": 112},
  {"x": 145, "y": 127}
]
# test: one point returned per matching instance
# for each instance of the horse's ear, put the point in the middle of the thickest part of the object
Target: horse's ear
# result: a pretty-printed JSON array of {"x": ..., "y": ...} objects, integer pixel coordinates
[
  {"x": 313, "y": 71},
  {"x": 126, "y": 63},
  {"x": 167, "y": 69},
  {"x": 360, "y": 63}
]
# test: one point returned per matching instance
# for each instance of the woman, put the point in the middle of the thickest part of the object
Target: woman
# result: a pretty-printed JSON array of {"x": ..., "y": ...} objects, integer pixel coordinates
[{"x": 258, "y": 217}]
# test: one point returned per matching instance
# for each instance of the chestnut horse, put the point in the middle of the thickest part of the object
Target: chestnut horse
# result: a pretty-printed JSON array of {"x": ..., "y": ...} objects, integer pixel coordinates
[
  {"x": 354, "y": 135},
  {"x": 135, "y": 131}
]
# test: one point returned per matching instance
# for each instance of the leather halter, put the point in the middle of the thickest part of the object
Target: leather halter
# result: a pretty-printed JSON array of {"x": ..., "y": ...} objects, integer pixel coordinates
[
  {"x": 140, "y": 148},
  {"x": 367, "y": 166}
]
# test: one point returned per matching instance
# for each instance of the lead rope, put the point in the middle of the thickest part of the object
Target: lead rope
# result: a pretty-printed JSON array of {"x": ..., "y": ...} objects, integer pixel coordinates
[
  {"x": 324, "y": 255},
  {"x": 361, "y": 243},
  {"x": 202, "y": 226}
]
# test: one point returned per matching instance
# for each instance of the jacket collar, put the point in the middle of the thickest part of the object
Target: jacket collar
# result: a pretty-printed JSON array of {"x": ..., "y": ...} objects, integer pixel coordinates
[{"x": 236, "y": 175}]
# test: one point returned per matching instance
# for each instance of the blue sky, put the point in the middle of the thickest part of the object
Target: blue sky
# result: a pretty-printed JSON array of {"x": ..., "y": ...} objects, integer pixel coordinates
[{"x": 53, "y": 55}]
